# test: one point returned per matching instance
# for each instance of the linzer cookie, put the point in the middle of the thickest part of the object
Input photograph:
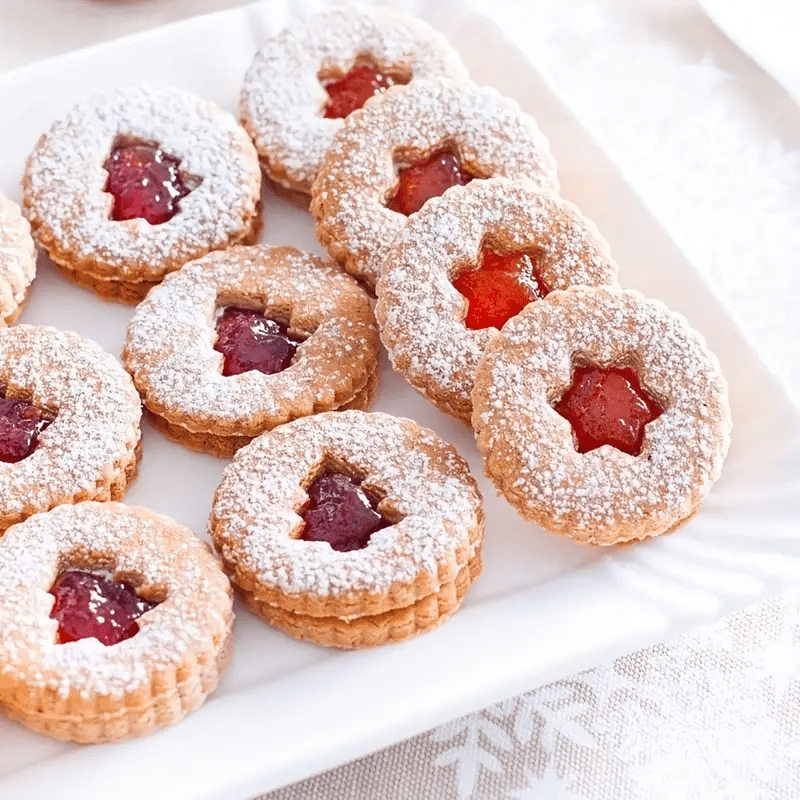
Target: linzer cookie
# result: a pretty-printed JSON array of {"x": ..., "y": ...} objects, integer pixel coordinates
[
  {"x": 69, "y": 422},
  {"x": 131, "y": 185},
  {"x": 17, "y": 260},
  {"x": 349, "y": 529},
  {"x": 243, "y": 340},
  {"x": 466, "y": 264},
  {"x": 411, "y": 144},
  {"x": 114, "y": 622},
  {"x": 307, "y": 78},
  {"x": 601, "y": 415}
]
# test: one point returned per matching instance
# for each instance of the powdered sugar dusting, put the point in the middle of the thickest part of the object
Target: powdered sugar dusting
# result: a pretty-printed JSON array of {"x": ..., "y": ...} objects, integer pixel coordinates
[
  {"x": 165, "y": 558},
  {"x": 492, "y": 135},
  {"x": 65, "y": 179},
  {"x": 528, "y": 447},
  {"x": 169, "y": 344},
  {"x": 421, "y": 314},
  {"x": 421, "y": 478},
  {"x": 96, "y": 426},
  {"x": 17, "y": 258},
  {"x": 283, "y": 99}
]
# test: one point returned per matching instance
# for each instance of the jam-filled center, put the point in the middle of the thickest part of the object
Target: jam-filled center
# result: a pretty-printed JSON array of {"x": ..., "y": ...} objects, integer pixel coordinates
[
  {"x": 350, "y": 91},
  {"x": 146, "y": 182},
  {"x": 607, "y": 405},
  {"x": 340, "y": 513},
  {"x": 430, "y": 177},
  {"x": 249, "y": 340},
  {"x": 20, "y": 426},
  {"x": 500, "y": 287},
  {"x": 88, "y": 605}
]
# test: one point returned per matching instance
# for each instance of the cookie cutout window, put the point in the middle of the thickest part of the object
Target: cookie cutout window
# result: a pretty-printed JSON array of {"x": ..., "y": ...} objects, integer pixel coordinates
[
  {"x": 250, "y": 340},
  {"x": 146, "y": 182},
  {"x": 348, "y": 91},
  {"x": 607, "y": 405},
  {"x": 20, "y": 426},
  {"x": 426, "y": 176},
  {"x": 500, "y": 286},
  {"x": 92, "y": 604},
  {"x": 340, "y": 510}
]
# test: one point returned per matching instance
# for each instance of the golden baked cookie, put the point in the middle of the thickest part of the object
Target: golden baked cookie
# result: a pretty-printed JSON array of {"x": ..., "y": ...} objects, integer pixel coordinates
[
  {"x": 114, "y": 622},
  {"x": 304, "y": 80},
  {"x": 349, "y": 529},
  {"x": 410, "y": 144},
  {"x": 17, "y": 260},
  {"x": 601, "y": 415},
  {"x": 243, "y": 340},
  {"x": 69, "y": 422},
  {"x": 465, "y": 264},
  {"x": 131, "y": 185}
]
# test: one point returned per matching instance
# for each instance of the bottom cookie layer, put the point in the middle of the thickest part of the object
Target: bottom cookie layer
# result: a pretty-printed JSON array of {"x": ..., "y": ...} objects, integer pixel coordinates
[
  {"x": 99, "y": 720},
  {"x": 136, "y": 291},
  {"x": 227, "y": 446},
  {"x": 112, "y": 490},
  {"x": 371, "y": 630}
]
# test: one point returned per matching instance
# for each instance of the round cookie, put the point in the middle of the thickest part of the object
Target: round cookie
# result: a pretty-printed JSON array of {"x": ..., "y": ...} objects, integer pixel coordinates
[
  {"x": 454, "y": 131},
  {"x": 69, "y": 422},
  {"x": 285, "y": 106},
  {"x": 137, "y": 636},
  {"x": 115, "y": 162},
  {"x": 17, "y": 260},
  {"x": 534, "y": 411},
  {"x": 177, "y": 349},
  {"x": 388, "y": 557},
  {"x": 423, "y": 316}
]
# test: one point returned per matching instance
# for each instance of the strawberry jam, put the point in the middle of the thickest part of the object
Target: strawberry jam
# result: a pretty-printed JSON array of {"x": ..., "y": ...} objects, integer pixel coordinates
[
  {"x": 91, "y": 606},
  {"x": 499, "y": 288},
  {"x": 20, "y": 426},
  {"x": 340, "y": 513},
  {"x": 146, "y": 183},
  {"x": 431, "y": 177},
  {"x": 608, "y": 406},
  {"x": 353, "y": 89},
  {"x": 249, "y": 341}
]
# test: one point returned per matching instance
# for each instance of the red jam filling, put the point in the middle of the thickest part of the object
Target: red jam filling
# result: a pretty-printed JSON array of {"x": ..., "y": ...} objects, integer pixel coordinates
[
  {"x": 353, "y": 89},
  {"x": 20, "y": 426},
  {"x": 608, "y": 406},
  {"x": 91, "y": 606},
  {"x": 499, "y": 288},
  {"x": 146, "y": 183},
  {"x": 340, "y": 513},
  {"x": 431, "y": 177},
  {"x": 249, "y": 341}
]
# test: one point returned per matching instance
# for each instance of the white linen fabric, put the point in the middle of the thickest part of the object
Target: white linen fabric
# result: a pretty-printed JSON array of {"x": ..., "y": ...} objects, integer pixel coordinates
[{"x": 710, "y": 716}]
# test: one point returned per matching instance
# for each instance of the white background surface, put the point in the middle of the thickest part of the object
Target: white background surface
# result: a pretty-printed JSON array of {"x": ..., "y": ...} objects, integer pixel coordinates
[{"x": 588, "y": 178}]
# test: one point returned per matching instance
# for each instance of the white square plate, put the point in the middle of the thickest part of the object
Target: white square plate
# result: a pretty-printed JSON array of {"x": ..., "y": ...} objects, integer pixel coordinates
[
  {"x": 767, "y": 30},
  {"x": 545, "y": 607}
]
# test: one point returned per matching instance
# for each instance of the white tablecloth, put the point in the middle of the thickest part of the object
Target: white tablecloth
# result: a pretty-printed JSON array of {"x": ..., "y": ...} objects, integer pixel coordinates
[{"x": 711, "y": 144}]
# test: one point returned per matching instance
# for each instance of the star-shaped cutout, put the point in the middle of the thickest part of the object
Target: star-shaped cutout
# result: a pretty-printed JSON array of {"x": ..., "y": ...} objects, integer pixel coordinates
[{"x": 607, "y": 405}]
